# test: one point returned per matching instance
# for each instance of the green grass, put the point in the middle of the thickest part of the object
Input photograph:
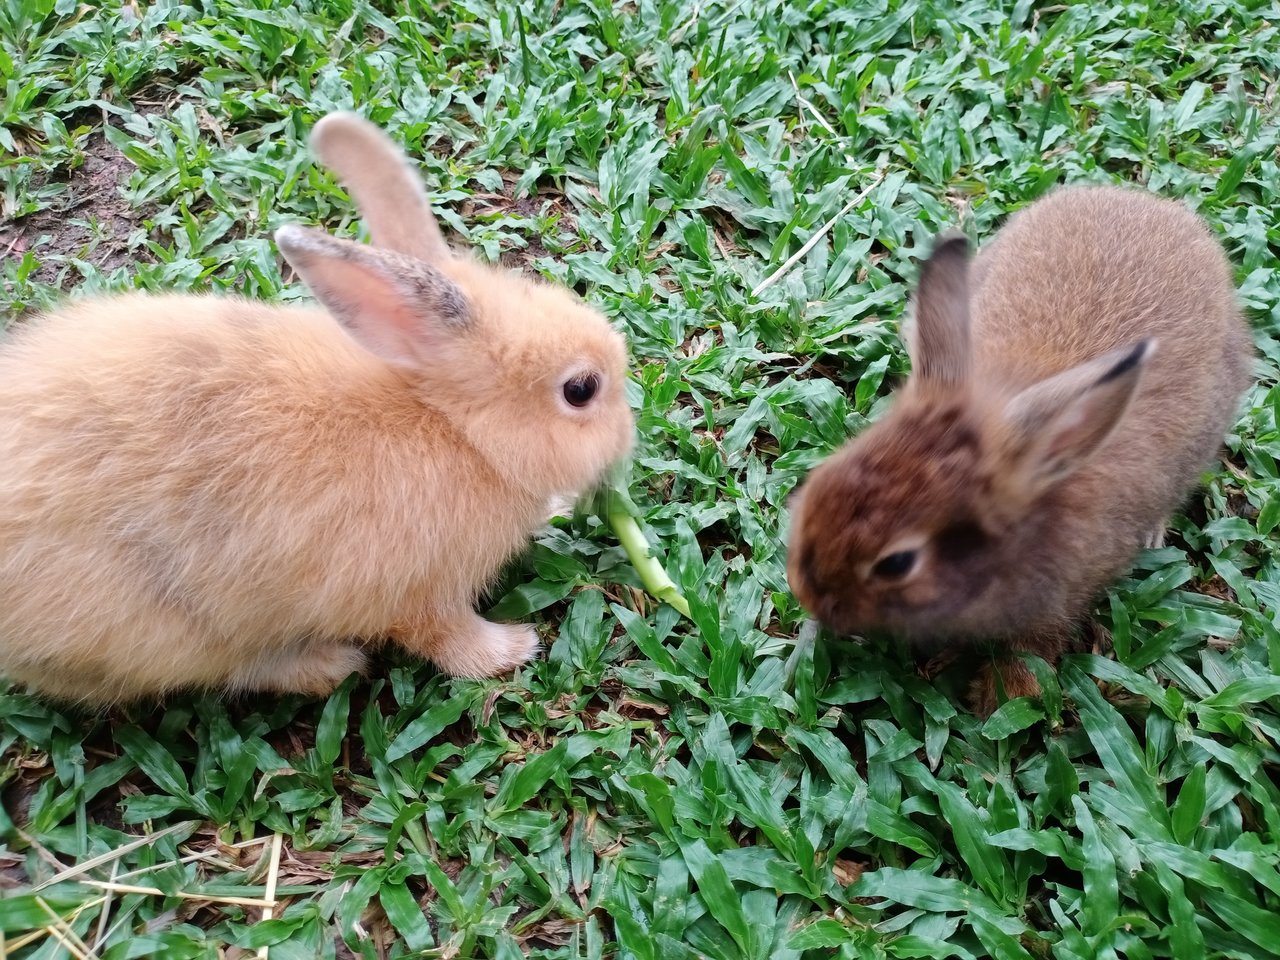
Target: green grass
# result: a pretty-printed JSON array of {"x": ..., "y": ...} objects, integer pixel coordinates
[{"x": 727, "y": 786}]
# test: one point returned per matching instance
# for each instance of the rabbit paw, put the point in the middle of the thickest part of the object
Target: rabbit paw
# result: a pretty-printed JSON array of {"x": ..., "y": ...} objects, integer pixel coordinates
[
  {"x": 1013, "y": 676},
  {"x": 1155, "y": 538},
  {"x": 484, "y": 649},
  {"x": 313, "y": 670},
  {"x": 931, "y": 668},
  {"x": 560, "y": 505}
]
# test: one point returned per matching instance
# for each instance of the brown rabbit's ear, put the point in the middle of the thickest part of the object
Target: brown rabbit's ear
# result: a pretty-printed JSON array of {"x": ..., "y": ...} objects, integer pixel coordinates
[
  {"x": 1059, "y": 423},
  {"x": 938, "y": 340},
  {"x": 399, "y": 308},
  {"x": 387, "y": 192}
]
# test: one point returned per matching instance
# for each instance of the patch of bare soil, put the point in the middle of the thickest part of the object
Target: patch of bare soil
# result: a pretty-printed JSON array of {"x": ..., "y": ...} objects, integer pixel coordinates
[
  {"x": 529, "y": 208},
  {"x": 93, "y": 195}
]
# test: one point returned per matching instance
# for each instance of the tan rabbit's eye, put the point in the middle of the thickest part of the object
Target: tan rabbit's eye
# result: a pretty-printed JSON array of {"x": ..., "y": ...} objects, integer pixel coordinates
[
  {"x": 895, "y": 566},
  {"x": 579, "y": 391}
]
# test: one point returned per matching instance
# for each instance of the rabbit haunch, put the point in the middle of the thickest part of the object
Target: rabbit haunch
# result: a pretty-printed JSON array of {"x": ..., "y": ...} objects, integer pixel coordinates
[
  {"x": 1069, "y": 389},
  {"x": 204, "y": 491}
]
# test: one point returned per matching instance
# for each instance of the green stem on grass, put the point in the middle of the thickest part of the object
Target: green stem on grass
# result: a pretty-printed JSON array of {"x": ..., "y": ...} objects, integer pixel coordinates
[{"x": 652, "y": 574}]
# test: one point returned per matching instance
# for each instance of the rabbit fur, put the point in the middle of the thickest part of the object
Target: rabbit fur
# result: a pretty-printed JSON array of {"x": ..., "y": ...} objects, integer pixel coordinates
[
  {"x": 1068, "y": 390},
  {"x": 203, "y": 491}
]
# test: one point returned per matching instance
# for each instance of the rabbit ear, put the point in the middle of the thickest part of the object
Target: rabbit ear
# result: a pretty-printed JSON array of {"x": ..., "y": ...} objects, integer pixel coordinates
[
  {"x": 1059, "y": 423},
  {"x": 938, "y": 340},
  {"x": 399, "y": 308},
  {"x": 387, "y": 192}
]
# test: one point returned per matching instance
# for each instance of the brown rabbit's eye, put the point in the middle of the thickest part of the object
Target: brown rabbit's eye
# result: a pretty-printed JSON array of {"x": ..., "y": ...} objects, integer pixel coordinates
[
  {"x": 579, "y": 391},
  {"x": 895, "y": 565}
]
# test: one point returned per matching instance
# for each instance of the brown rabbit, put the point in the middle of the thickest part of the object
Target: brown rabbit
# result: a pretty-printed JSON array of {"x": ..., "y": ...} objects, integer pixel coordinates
[
  {"x": 1067, "y": 393},
  {"x": 215, "y": 492}
]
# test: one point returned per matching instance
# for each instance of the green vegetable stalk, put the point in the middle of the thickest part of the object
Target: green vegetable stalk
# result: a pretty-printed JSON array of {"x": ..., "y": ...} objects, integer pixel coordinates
[{"x": 620, "y": 512}]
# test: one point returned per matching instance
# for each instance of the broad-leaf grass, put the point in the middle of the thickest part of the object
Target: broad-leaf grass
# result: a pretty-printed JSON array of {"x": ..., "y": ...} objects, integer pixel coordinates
[{"x": 725, "y": 785}]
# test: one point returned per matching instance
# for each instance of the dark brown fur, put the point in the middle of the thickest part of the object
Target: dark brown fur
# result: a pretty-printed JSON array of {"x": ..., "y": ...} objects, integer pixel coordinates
[{"x": 1068, "y": 392}]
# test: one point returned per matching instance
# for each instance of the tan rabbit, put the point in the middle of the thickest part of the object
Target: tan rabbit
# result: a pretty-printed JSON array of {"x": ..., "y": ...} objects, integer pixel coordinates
[
  {"x": 215, "y": 492},
  {"x": 1067, "y": 393}
]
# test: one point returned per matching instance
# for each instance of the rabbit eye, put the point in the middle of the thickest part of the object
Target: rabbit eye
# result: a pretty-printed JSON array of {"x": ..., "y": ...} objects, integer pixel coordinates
[
  {"x": 894, "y": 566},
  {"x": 579, "y": 391}
]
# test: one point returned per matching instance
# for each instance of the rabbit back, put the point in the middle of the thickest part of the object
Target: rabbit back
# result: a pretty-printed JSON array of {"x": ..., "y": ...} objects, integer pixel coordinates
[{"x": 1088, "y": 270}]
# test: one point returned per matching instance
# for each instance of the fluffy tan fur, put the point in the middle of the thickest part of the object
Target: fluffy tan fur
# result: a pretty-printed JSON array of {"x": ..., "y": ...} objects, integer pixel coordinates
[
  {"x": 1069, "y": 390},
  {"x": 215, "y": 492}
]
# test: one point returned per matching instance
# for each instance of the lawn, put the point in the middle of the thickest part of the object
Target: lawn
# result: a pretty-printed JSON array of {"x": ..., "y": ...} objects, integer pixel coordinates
[{"x": 730, "y": 785}]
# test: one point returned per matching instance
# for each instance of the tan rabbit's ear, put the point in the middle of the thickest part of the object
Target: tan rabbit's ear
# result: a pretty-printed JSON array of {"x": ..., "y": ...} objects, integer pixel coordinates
[
  {"x": 1059, "y": 423},
  {"x": 938, "y": 335},
  {"x": 387, "y": 192},
  {"x": 399, "y": 308}
]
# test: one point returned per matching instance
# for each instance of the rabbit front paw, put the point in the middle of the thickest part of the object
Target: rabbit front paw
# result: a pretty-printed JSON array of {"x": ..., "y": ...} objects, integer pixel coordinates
[
  {"x": 1011, "y": 675},
  {"x": 470, "y": 646},
  {"x": 314, "y": 670}
]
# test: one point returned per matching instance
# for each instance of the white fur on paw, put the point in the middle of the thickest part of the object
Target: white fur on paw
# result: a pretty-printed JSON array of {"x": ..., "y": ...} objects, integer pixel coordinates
[
  {"x": 494, "y": 649},
  {"x": 320, "y": 669},
  {"x": 559, "y": 505},
  {"x": 515, "y": 643},
  {"x": 528, "y": 646},
  {"x": 338, "y": 662},
  {"x": 314, "y": 670},
  {"x": 1155, "y": 539}
]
